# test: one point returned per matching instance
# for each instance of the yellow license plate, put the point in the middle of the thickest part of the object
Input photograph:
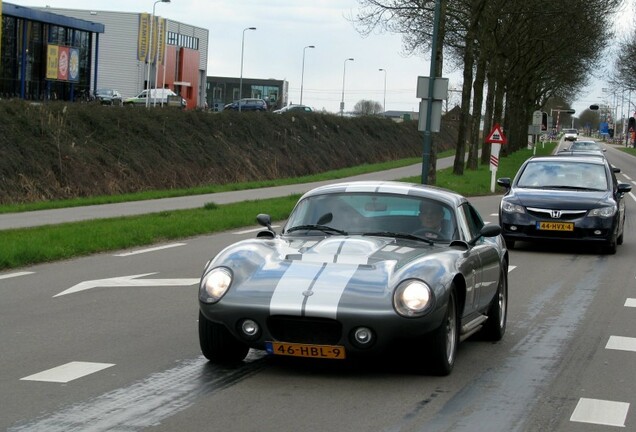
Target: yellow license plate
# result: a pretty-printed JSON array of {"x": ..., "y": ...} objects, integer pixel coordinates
[
  {"x": 555, "y": 226},
  {"x": 305, "y": 350}
]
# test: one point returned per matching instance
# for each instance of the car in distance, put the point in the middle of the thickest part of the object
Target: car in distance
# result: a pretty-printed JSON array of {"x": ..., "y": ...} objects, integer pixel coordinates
[
  {"x": 157, "y": 97},
  {"x": 353, "y": 274},
  {"x": 556, "y": 198},
  {"x": 108, "y": 97},
  {"x": 570, "y": 134},
  {"x": 247, "y": 104},
  {"x": 585, "y": 146},
  {"x": 293, "y": 108}
]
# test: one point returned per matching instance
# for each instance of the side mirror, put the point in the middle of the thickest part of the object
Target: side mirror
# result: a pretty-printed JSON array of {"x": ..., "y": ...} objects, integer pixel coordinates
[
  {"x": 490, "y": 230},
  {"x": 624, "y": 187},
  {"x": 504, "y": 182}
]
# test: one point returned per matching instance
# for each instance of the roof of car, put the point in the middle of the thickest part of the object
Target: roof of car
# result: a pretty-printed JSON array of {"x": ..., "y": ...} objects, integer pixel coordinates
[
  {"x": 581, "y": 158},
  {"x": 391, "y": 187}
]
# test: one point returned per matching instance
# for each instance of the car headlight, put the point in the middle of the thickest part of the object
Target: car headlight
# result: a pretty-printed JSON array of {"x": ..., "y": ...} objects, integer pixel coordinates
[
  {"x": 412, "y": 298},
  {"x": 603, "y": 211},
  {"x": 509, "y": 207},
  {"x": 214, "y": 285}
]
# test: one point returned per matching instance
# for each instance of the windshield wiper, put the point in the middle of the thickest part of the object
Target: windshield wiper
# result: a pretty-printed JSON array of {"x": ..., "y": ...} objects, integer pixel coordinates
[
  {"x": 324, "y": 228},
  {"x": 399, "y": 235}
]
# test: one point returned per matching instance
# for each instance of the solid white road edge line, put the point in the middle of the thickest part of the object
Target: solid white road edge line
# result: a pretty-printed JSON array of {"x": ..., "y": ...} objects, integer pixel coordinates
[
  {"x": 17, "y": 274},
  {"x": 152, "y": 249}
]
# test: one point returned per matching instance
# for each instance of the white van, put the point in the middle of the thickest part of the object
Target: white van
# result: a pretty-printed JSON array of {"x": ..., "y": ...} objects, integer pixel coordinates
[{"x": 157, "y": 97}]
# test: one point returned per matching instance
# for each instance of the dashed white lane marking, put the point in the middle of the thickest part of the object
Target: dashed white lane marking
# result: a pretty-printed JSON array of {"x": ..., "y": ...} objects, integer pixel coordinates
[
  {"x": 253, "y": 230},
  {"x": 630, "y": 302},
  {"x": 152, "y": 249},
  {"x": 511, "y": 268},
  {"x": 17, "y": 274},
  {"x": 68, "y": 372},
  {"x": 601, "y": 412},
  {"x": 621, "y": 343}
]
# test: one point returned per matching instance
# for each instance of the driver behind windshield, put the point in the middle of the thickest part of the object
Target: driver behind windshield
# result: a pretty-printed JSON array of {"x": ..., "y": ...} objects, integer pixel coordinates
[{"x": 432, "y": 224}]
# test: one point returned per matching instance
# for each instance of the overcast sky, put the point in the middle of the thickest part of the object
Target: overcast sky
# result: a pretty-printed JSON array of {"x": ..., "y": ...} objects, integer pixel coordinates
[{"x": 275, "y": 49}]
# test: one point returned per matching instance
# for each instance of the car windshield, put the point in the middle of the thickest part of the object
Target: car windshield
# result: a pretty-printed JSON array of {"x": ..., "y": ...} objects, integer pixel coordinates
[
  {"x": 373, "y": 214},
  {"x": 569, "y": 175}
]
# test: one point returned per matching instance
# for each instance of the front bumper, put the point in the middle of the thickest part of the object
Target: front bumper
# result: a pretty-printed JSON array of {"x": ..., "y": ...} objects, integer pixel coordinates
[
  {"x": 387, "y": 327},
  {"x": 524, "y": 227}
]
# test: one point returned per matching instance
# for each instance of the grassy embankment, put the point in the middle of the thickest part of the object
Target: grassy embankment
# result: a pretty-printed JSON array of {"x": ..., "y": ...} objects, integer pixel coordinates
[{"x": 22, "y": 247}]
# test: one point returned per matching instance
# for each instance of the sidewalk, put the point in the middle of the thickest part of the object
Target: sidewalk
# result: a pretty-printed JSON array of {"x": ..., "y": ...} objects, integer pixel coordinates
[{"x": 75, "y": 214}]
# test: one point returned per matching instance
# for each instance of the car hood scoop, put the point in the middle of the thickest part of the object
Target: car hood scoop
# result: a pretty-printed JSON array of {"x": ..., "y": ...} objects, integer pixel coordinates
[{"x": 344, "y": 250}]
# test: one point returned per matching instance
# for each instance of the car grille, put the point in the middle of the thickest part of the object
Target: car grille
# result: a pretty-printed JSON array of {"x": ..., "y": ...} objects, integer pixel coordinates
[
  {"x": 561, "y": 215},
  {"x": 322, "y": 331}
]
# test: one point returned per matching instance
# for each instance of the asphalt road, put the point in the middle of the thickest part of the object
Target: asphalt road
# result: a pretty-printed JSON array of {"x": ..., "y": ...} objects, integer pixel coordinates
[{"x": 109, "y": 343}]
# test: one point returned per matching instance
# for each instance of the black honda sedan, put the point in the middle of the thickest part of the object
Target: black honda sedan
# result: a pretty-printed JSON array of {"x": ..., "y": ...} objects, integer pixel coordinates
[{"x": 553, "y": 198}]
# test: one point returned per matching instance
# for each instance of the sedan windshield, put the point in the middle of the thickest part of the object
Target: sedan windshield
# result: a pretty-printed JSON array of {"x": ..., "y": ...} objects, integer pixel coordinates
[{"x": 553, "y": 174}]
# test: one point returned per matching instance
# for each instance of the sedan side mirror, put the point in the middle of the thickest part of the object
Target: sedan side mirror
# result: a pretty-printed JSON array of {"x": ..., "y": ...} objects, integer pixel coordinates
[{"x": 504, "y": 182}]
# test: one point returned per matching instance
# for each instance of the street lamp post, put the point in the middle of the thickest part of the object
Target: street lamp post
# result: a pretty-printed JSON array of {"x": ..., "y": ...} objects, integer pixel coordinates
[
  {"x": 384, "y": 102},
  {"x": 241, "y": 79},
  {"x": 152, "y": 20},
  {"x": 302, "y": 74},
  {"x": 343, "y": 85}
]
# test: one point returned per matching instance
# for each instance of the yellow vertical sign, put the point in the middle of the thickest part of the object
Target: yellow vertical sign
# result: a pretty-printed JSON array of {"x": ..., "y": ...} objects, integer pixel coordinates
[
  {"x": 52, "y": 54},
  {"x": 161, "y": 41},
  {"x": 143, "y": 36}
]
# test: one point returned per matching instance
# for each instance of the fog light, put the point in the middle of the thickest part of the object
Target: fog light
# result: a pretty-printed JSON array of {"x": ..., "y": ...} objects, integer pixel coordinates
[
  {"x": 513, "y": 228},
  {"x": 363, "y": 336},
  {"x": 598, "y": 232},
  {"x": 249, "y": 328}
]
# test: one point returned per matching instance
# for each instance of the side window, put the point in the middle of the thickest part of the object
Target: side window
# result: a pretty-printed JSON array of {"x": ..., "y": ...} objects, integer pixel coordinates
[{"x": 473, "y": 220}]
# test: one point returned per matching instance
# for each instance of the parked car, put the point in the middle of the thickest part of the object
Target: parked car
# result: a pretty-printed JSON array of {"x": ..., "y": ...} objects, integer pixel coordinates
[
  {"x": 108, "y": 97},
  {"x": 157, "y": 97},
  {"x": 353, "y": 273},
  {"x": 570, "y": 134},
  {"x": 247, "y": 104},
  {"x": 293, "y": 108},
  {"x": 556, "y": 198}
]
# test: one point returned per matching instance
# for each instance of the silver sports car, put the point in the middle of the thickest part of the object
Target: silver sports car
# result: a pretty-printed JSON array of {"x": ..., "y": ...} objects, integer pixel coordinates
[{"x": 359, "y": 269}]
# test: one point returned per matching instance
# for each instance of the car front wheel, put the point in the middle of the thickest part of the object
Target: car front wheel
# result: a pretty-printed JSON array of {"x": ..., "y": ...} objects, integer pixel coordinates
[
  {"x": 218, "y": 345},
  {"x": 441, "y": 346},
  {"x": 495, "y": 327}
]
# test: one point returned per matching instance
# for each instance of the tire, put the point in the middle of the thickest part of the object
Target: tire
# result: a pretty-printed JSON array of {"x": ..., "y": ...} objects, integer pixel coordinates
[
  {"x": 619, "y": 239},
  {"x": 444, "y": 340},
  {"x": 495, "y": 327},
  {"x": 610, "y": 248},
  {"x": 218, "y": 345},
  {"x": 510, "y": 244}
]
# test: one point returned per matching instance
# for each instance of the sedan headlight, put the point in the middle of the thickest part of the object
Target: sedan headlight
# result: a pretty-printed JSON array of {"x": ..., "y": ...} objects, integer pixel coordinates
[
  {"x": 214, "y": 285},
  {"x": 509, "y": 207},
  {"x": 412, "y": 298},
  {"x": 603, "y": 211}
]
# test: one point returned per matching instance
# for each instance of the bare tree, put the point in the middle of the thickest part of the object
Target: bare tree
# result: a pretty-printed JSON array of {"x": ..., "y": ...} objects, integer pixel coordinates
[{"x": 367, "y": 107}]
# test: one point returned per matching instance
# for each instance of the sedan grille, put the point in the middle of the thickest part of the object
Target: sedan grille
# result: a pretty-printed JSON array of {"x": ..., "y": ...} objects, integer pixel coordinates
[
  {"x": 320, "y": 331},
  {"x": 562, "y": 215}
]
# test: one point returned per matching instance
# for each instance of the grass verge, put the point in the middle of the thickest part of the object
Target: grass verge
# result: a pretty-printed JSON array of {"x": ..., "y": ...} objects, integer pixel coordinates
[{"x": 27, "y": 246}]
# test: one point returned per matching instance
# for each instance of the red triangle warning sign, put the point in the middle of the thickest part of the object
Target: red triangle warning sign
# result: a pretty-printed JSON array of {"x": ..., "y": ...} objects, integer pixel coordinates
[{"x": 496, "y": 136}]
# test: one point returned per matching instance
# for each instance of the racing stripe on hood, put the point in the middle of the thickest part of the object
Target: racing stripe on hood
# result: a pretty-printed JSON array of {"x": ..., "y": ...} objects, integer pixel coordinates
[
  {"x": 310, "y": 289},
  {"x": 328, "y": 289}
]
